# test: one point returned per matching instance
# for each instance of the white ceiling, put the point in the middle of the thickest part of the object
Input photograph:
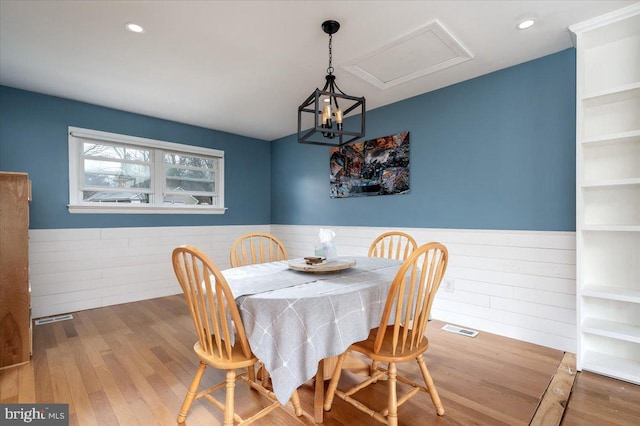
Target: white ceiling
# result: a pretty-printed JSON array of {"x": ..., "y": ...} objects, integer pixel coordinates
[{"x": 245, "y": 66}]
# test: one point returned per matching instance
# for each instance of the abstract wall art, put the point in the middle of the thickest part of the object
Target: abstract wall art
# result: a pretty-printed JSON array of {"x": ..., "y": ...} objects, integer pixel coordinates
[{"x": 374, "y": 167}]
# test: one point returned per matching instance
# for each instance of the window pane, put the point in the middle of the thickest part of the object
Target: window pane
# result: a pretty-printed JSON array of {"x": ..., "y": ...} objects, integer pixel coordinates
[
  {"x": 189, "y": 161},
  {"x": 91, "y": 149},
  {"x": 203, "y": 199},
  {"x": 109, "y": 169},
  {"x": 115, "y": 197},
  {"x": 189, "y": 180},
  {"x": 113, "y": 174},
  {"x": 188, "y": 199}
]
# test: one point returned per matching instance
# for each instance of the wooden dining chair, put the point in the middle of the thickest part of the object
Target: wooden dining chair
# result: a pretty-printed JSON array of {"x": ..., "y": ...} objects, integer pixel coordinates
[
  {"x": 257, "y": 247},
  {"x": 400, "y": 335},
  {"x": 222, "y": 341},
  {"x": 393, "y": 245}
]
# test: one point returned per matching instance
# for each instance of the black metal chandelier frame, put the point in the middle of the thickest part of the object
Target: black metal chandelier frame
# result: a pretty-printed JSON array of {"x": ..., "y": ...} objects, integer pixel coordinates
[{"x": 324, "y": 104}]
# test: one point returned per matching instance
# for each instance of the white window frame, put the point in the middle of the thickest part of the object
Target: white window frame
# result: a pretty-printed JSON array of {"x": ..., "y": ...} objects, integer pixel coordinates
[{"x": 76, "y": 204}]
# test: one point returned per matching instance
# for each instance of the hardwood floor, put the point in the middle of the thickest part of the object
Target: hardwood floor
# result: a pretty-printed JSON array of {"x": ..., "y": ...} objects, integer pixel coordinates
[{"x": 131, "y": 364}]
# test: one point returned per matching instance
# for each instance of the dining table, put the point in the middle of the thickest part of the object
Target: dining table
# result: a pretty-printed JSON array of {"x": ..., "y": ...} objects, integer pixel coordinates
[{"x": 296, "y": 318}]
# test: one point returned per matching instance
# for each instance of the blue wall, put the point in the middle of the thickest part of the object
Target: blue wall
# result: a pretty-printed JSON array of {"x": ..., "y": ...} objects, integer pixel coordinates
[
  {"x": 494, "y": 152},
  {"x": 33, "y": 139}
]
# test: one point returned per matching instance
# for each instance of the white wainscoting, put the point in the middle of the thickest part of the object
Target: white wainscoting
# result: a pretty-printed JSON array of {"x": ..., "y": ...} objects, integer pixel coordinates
[
  {"x": 77, "y": 269},
  {"x": 519, "y": 284}
]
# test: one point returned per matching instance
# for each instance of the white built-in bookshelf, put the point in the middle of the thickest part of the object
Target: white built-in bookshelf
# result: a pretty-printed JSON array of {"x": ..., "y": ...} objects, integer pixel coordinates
[{"x": 608, "y": 194}]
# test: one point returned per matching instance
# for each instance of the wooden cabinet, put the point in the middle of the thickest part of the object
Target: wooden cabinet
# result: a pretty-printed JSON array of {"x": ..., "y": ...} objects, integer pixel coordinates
[
  {"x": 608, "y": 194},
  {"x": 15, "y": 294}
]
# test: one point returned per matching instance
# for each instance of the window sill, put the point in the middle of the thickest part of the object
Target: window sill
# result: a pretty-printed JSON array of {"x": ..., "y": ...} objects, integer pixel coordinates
[{"x": 143, "y": 209}]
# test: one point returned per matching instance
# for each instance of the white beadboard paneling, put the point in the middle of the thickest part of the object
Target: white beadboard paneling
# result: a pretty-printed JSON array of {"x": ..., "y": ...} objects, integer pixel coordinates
[
  {"x": 75, "y": 269},
  {"x": 104, "y": 291},
  {"x": 64, "y": 305},
  {"x": 121, "y": 258},
  {"x": 198, "y": 240},
  {"x": 75, "y": 283},
  {"x": 507, "y": 330},
  {"x": 467, "y": 298},
  {"x": 139, "y": 272},
  {"x": 99, "y": 254},
  {"x": 546, "y": 269},
  {"x": 533, "y": 239},
  {"x": 443, "y": 309},
  {"x": 549, "y": 255},
  {"x": 560, "y": 300},
  {"x": 176, "y": 231},
  {"x": 559, "y": 285},
  {"x": 85, "y": 244},
  {"x": 481, "y": 288},
  {"x": 519, "y": 284},
  {"x": 44, "y": 284},
  {"x": 534, "y": 310},
  {"x": 42, "y": 235}
]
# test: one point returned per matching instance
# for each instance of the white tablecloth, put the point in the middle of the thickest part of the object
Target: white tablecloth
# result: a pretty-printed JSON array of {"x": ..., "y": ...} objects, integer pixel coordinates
[{"x": 295, "y": 319}]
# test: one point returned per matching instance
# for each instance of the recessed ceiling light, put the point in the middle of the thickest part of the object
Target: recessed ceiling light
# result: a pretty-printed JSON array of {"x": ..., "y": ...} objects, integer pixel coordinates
[
  {"x": 527, "y": 23},
  {"x": 134, "y": 28}
]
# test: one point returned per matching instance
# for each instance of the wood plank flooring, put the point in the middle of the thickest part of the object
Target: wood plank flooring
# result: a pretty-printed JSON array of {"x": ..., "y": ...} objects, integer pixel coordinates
[
  {"x": 131, "y": 364},
  {"x": 554, "y": 401}
]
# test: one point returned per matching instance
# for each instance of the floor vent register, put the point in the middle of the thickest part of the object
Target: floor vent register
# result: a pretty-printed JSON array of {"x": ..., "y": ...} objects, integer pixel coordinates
[
  {"x": 42, "y": 321},
  {"x": 459, "y": 330}
]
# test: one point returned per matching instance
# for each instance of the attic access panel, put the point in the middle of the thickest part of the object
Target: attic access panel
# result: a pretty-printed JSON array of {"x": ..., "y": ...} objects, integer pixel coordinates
[{"x": 425, "y": 51}]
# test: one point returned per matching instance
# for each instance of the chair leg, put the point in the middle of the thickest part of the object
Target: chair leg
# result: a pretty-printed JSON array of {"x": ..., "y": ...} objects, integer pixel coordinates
[
  {"x": 373, "y": 368},
  {"x": 191, "y": 394},
  {"x": 433, "y": 392},
  {"x": 392, "y": 417},
  {"x": 228, "y": 406},
  {"x": 251, "y": 373},
  {"x": 295, "y": 400},
  {"x": 265, "y": 377},
  {"x": 333, "y": 384}
]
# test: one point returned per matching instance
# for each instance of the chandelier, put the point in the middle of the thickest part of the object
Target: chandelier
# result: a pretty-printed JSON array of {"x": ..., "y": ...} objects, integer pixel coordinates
[{"x": 329, "y": 109}]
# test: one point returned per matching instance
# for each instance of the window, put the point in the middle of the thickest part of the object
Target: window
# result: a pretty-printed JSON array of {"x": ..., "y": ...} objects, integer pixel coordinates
[{"x": 110, "y": 173}]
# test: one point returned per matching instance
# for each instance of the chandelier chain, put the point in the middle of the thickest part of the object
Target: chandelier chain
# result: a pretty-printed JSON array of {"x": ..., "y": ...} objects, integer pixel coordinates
[{"x": 330, "y": 69}]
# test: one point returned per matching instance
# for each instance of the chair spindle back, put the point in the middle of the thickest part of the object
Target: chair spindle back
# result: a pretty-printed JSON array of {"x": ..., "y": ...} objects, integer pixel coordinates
[
  {"x": 411, "y": 296},
  {"x": 255, "y": 248},
  {"x": 393, "y": 245},
  {"x": 211, "y": 303}
]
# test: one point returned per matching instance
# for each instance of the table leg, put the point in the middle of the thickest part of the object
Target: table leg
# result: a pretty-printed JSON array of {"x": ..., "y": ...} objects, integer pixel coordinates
[{"x": 318, "y": 400}]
